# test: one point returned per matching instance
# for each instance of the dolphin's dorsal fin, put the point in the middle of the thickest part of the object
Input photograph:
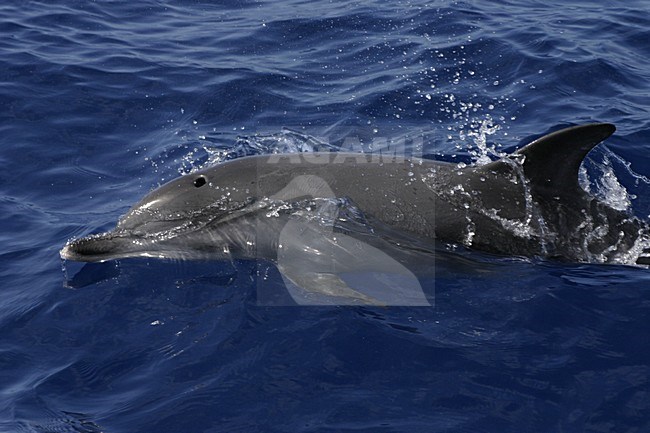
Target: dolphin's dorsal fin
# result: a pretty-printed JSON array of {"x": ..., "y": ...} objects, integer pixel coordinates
[{"x": 552, "y": 162}]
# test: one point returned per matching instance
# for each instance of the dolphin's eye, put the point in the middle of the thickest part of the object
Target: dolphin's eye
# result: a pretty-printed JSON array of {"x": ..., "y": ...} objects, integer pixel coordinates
[{"x": 200, "y": 181}]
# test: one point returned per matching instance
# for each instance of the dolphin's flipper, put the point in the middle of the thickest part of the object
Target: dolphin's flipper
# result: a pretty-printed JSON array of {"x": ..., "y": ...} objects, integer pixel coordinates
[{"x": 552, "y": 162}]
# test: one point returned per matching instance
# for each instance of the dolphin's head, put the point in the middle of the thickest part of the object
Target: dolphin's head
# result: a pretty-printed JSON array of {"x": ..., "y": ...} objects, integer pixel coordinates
[{"x": 193, "y": 216}]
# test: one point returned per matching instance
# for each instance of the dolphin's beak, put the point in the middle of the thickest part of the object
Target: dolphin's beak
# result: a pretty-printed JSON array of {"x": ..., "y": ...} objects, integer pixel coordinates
[{"x": 99, "y": 247}]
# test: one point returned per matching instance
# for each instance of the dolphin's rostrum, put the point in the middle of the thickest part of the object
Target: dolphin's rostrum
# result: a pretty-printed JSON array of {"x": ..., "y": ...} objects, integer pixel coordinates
[{"x": 285, "y": 208}]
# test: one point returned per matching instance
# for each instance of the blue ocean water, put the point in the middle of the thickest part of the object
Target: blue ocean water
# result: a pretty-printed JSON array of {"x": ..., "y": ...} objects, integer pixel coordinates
[{"x": 102, "y": 101}]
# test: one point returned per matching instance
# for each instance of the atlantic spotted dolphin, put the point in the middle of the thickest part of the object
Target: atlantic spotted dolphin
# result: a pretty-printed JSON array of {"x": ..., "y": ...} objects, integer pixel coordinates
[{"x": 526, "y": 204}]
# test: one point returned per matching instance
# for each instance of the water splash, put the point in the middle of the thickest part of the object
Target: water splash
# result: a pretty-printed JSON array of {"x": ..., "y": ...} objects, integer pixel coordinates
[
  {"x": 611, "y": 191},
  {"x": 482, "y": 153},
  {"x": 599, "y": 179}
]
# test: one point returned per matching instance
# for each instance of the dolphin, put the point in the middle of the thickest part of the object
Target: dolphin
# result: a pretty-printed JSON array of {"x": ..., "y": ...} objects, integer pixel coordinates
[{"x": 296, "y": 208}]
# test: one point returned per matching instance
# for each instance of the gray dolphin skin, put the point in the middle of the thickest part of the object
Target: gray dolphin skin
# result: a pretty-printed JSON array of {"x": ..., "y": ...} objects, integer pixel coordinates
[{"x": 527, "y": 204}]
